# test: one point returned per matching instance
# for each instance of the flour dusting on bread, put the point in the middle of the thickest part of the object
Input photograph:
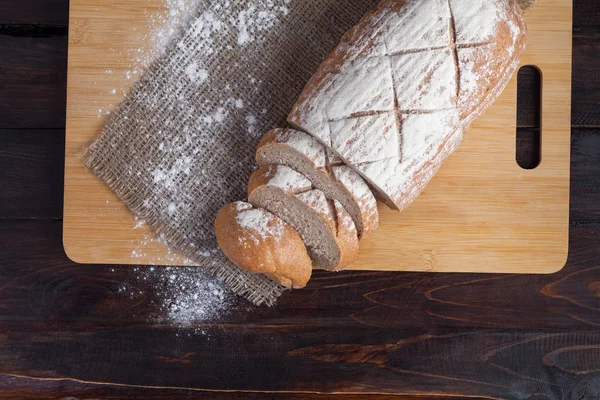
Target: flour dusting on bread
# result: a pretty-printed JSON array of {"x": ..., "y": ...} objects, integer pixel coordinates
[
  {"x": 260, "y": 224},
  {"x": 287, "y": 179},
  {"x": 304, "y": 144},
  {"x": 394, "y": 98}
]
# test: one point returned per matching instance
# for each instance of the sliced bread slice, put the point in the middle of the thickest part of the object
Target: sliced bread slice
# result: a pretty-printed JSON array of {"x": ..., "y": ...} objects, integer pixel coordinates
[
  {"x": 326, "y": 172},
  {"x": 347, "y": 235},
  {"x": 258, "y": 241},
  {"x": 329, "y": 234}
]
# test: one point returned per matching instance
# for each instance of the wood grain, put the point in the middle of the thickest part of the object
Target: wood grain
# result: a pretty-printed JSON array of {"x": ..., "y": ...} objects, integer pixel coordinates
[
  {"x": 481, "y": 213},
  {"x": 434, "y": 334},
  {"x": 40, "y": 284},
  {"x": 20, "y": 388},
  {"x": 585, "y": 107},
  {"x": 585, "y": 179},
  {"x": 31, "y": 173},
  {"x": 505, "y": 336},
  {"x": 27, "y": 64},
  {"x": 31, "y": 170},
  {"x": 586, "y": 14},
  {"x": 388, "y": 362},
  {"x": 32, "y": 78},
  {"x": 29, "y": 58},
  {"x": 38, "y": 12}
]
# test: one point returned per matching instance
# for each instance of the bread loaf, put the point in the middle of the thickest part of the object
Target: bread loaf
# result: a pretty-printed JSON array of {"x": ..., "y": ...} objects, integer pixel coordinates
[
  {"x": 390, "y": 103},
  {"x": 394, "y": 98},
  {"x": 305, "y": 154},
  {"x": 258, "y": 241},
  {"x": 326, "y": 228}
]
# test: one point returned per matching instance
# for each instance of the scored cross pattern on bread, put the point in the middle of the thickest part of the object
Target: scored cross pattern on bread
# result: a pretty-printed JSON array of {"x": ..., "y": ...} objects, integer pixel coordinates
[{"x": 395, "y": 96}]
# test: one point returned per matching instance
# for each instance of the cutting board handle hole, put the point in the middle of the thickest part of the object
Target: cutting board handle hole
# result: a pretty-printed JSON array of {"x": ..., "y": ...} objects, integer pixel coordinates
[{"x": 529, "y": 111}]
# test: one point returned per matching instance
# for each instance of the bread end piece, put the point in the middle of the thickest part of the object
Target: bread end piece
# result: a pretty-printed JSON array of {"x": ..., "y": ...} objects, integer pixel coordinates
[{"x": 258, "y": 241}]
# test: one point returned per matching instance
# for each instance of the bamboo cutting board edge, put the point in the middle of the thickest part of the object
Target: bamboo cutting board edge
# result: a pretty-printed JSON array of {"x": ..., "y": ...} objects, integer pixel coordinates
[{"x": 443, "y": 231}]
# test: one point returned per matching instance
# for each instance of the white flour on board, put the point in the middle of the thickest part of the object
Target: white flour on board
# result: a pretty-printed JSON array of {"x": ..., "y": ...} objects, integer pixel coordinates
[{"x": 162, "y": 27}]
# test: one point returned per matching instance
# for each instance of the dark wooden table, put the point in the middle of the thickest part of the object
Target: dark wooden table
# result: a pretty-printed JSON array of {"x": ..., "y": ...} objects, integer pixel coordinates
[{"x": 65, "y": 330}]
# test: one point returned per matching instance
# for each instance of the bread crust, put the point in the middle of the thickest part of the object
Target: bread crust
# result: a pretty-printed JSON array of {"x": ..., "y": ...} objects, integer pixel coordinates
[
  {"x": 262, "y": 243},
  {"x": 340, "y": 224},
  {"x": 350, "y": 181},
  {"x": 347, "y": 236}
]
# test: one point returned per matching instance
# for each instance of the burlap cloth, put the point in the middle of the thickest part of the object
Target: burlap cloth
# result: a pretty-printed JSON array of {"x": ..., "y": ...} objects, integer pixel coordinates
[{"x": 182, "y": 144}]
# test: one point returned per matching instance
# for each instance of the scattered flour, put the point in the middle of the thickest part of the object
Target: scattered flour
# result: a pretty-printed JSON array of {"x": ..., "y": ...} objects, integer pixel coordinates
[
  {"x": 251, "y": 21},
  {"x": 185, "y": 295},
  {"x": 165, "y": 26},
  {"x": 162, "y": 27},
  {"x": 138, "y": 223},
  {"x": 141, "y": 248},
  {"x": 252, "y": 121},
  {"x": 195, "y": 74},
  {"x": 218, "y": 117},
  {"x": 168, "y": 24},
  {"x": 180, "y": 295},
  {"x": 167, "y": 177}
]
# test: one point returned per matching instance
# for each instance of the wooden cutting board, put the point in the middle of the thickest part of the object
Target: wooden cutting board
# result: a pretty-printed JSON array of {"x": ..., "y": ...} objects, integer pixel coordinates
[{"x": 481, "y": 213}]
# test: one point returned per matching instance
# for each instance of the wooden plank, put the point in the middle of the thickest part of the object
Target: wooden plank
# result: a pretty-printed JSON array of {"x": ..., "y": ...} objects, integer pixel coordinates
[
  {"x": 559, "y": 311},
  {"x": 40, "y": 284},
  {"x": 35, "y": 68},
  {"x": 586, "y": 14},
  {"x": 585, "y": 176},
  {"x": 481, "y": 209},
  {"x": 586, "y": 89},
  {"x": 31, "y": 170},
  {"x": 39, "y": 389},
  {"x": 586, "y": 84},
  {"x": 511, "y": 365},
  {"x": 586, "y": 80},
  {"x": 46, "y": 12},
  {"x": 395, "y": 333},
  {"x": 32, "y": 81},
  {"x": 318, "y": 359}
]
